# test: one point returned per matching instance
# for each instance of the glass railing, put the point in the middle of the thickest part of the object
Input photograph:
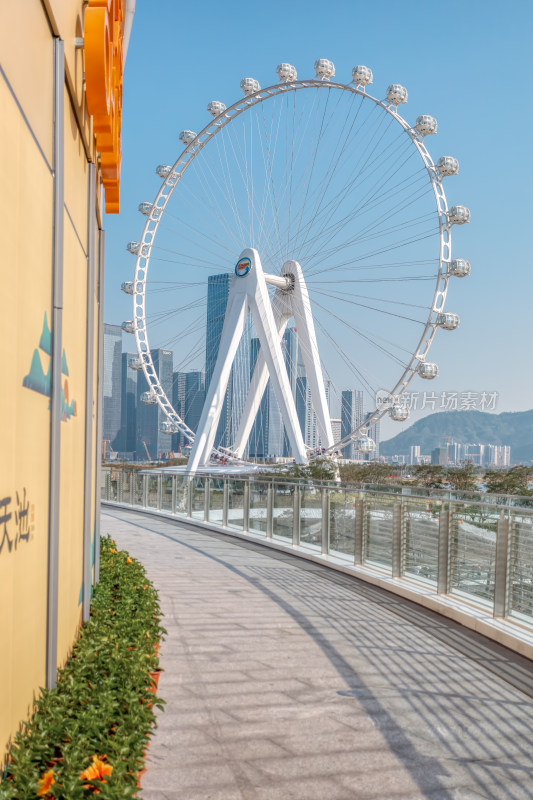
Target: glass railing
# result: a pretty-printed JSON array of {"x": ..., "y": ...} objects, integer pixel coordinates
[{"x": 475, "y": 547}]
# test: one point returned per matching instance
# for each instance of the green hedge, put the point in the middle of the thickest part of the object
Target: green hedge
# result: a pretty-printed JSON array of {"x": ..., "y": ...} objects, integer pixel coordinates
[{"x": 88, "y": 736}]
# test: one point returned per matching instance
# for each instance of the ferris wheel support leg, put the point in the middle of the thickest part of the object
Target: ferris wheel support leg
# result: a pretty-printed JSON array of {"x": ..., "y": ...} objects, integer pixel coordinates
[
  {"x": 231, "y": 336},
  {"x": 303, "y": 317},
  {"x": 263, "y": 318},
  {"x": 256, "y": 391}
]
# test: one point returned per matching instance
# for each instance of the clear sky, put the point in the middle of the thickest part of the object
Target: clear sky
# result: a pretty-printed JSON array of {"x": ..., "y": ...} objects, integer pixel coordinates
[{"x": 468, "y": 64}]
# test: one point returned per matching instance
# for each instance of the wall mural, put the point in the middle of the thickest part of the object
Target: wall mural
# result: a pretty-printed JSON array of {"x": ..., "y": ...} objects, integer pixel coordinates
[{"x": 39, "y": 381}]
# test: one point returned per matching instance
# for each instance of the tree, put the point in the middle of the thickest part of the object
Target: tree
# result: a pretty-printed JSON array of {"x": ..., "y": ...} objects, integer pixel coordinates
[
  {"x": 369, "y": 472},
  {"x": 510, "y": 481},
  {"x": 431, "y": 476},
  {"x": 463, "y": 478}
]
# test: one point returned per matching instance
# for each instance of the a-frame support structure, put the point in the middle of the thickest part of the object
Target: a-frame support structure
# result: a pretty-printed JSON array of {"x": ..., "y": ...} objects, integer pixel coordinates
[{"x": 248, "y": 294}]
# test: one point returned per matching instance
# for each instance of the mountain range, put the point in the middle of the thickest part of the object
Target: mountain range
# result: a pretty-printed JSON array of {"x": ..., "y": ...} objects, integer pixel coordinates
[{"x": 467, "y": 427}]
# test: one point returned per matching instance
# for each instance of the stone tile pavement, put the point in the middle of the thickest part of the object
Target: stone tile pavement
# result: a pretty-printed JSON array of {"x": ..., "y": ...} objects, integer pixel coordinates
[{"x": 284, "y": 682}]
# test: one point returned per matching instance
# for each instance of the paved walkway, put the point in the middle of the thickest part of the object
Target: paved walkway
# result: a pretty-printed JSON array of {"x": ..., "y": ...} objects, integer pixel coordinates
[{"x": 286, "y": 681}]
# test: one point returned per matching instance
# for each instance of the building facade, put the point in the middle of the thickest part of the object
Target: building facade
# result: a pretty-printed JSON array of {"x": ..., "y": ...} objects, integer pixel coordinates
[
  {"x": 351, "y": 417},
  {"x": 150, "y": 442},
  {"x": 112, "y": 383},
  {"x": 59, "y": 174}
]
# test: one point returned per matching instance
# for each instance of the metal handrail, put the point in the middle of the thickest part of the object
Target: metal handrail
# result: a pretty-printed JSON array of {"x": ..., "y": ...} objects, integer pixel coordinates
[{"x": 480, "y": 553}]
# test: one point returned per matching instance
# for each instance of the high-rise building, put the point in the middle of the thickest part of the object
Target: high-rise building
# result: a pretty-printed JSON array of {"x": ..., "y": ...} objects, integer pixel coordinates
[
  {"x": 414, "y": 454},
  {"x": 269, "y": 436},
  {"x": 125, "y": 440},
  {"x": 497, "y": 455},
  {"x": 112, "y": 380},
  {"x": 258, "y": 441},
  {"x": 351, "y": 417},
  {"x": 336, "y": 426},
  {"x": 149, "y": 417},
  {"x": 239, "y": 380},
  {"x": 439, "y": 456},
  {"x": 188, "y": 396}
]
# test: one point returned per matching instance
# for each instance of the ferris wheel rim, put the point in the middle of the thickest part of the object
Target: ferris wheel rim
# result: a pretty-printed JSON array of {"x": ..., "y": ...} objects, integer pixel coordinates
[{"x": 171, "y": 181}]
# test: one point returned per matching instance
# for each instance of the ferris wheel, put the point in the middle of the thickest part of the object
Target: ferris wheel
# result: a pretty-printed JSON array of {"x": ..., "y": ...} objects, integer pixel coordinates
[{"x": 298, "y": 247}]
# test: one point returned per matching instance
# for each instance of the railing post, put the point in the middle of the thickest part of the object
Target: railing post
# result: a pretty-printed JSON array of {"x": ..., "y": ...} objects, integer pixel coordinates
[
  {"x": 159, "y": 491},
  {"x": 225, "y": 503},
  {"x": 443, "y": 554},
  {"x": 173, "y": 499},
  {"x": 501, "y": 567},
  {"x": 359, "y": 520},
  {"x": 145, "y": 491},
  {"x": 246, "y": 507},
  {"x": 397, "y": 540},
  {"x": 296, "y": 509},
  {"x": 324, "y": 549},
  {"x": 207, "y": 492},
  {"x": 270, "y": 511},
  {"x": 119, "y": 487},
  {"x": 189, "y": 496}
]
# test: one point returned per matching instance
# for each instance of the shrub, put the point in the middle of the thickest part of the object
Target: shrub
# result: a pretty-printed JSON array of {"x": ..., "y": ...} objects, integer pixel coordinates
[{"x": 88, "y": 735}]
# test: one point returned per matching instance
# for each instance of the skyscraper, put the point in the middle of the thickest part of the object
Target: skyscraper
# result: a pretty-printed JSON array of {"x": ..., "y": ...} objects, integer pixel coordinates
[
  {"x": 258, "y": 442},
  {"x": 125, "y": 441},
  {"x": 150, "y": 417},
  {"x": 188, "y": 396},
  {"x": 351, "y": 417},
  {"x": 239, "y": 380},
  {"x": 112, "y": 379}
]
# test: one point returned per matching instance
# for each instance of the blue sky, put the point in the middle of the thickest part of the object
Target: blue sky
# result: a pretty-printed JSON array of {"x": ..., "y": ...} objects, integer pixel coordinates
[{"x": 466, "y": 64}]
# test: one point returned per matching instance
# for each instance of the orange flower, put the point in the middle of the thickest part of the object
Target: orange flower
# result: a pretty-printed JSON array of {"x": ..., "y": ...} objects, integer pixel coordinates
[
  {"x": 112, "y": 550},
  {"x": 97, "y": 771},
  {"x": 45, "y": 782},
  {"x": 128, "y": 561}
]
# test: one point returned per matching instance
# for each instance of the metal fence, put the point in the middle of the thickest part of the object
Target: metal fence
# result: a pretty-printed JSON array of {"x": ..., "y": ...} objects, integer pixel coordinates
[{"x": 476, "y": 547}]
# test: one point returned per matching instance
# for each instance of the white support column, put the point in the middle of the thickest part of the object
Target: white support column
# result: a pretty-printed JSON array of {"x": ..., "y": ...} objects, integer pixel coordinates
[
  {"x": 263, "y": 318},
  {"x": 303, "y": 318},
  {"x": 231, "y": 336}
]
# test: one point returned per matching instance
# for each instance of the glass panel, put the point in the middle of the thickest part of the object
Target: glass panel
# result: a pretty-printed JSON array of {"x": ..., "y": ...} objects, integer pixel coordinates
[
  {"x": 105, "y": 483},
  {"x": 166, "y": 492},
  {"x": 311, "y": 516},
  {"x": 216, "y": 500},
  {"x": 198, "y": 497},
  {"x": 138, "y": 494},
  {"x": 521, "y": 568},
  {"x": 342, "y": 509},
  {"x": 472, "y": 551},
  {"x": 421, "y": 542},
  {"x": 127, "y": 485},
  {"x": 258, "y": 506},
  {"x": 378, "y": 530},
  {"x": 282, "y": 510},
  {"x": 152, "y": 491},
  {"x": 236, "y": 504},
  {"x": 114, "y": 477},
  {"x": 182, "y": 485}
]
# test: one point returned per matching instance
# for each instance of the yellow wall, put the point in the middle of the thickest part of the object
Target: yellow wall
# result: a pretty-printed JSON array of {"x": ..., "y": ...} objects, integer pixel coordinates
[
  {"x": 27, "y": 31},
  {"x": 25, "y": 206}
]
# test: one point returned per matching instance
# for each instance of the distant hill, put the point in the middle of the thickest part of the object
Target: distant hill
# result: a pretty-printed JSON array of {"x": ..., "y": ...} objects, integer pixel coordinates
[{"x": 465, "y": 427}]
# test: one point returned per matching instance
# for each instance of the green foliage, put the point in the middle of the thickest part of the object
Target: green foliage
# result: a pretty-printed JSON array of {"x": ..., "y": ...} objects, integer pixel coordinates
[
  {"x": 463, "y": 478},
  {"x": 510, "y": 481},
  {"x": 430, "y": 475},
  {"x": 322, "y": 469},
  {"x": 371, "y": 472},
  {"x": 103, "y": 703}
]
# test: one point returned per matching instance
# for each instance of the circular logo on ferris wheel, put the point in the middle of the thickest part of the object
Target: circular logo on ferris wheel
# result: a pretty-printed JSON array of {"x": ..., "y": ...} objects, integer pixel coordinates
[{"x": 243, "y": 267}]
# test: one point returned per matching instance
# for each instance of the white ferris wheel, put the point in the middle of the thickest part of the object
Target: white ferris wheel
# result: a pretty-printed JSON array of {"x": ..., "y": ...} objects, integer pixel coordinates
[{"x": 323, "y": 214}]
